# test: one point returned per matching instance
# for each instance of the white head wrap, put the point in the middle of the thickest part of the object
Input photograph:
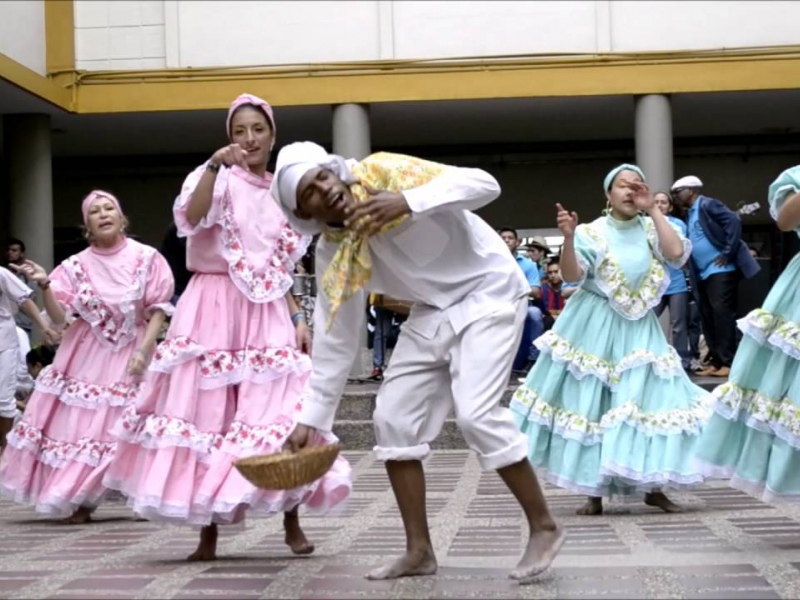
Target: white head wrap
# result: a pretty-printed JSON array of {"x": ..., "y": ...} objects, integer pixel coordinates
[{"x": 294, "y": 161}]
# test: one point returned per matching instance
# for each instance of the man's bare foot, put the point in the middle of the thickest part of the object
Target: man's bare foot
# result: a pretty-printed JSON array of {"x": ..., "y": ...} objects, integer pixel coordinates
[
  {"x": 295, "y": 537},
  {"x": 207, "y": 549},
  {"x": 542, "y": 548},
  {"x": 593, "y": 506},
  {"x": 411, "y": 564},
  {"x": 659, "y": 500},
  {"x": 82, "y": 515}
]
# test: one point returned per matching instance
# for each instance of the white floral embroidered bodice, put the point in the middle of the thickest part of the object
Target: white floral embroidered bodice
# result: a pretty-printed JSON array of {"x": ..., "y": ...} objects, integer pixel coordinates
[{"x": 622, "y": 260}]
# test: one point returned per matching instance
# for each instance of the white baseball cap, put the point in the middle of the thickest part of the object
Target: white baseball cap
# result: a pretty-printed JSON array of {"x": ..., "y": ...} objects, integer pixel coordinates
[{"x": 690, "y": 181}]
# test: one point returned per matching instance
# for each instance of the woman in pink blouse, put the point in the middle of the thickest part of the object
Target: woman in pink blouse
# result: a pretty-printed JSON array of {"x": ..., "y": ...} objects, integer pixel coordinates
[
  {"x": 229, "y": 379},
  {"x": 114, "y": 295}
]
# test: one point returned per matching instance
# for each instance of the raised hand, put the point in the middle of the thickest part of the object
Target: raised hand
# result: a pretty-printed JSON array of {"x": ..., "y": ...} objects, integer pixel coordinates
[
  {"x": 31, "y": 270},
  {"x": 567, "y": 221},
  {"x": 232, "y": 154},
  {"x": 369, "y": 217},
  {"x": 642, "y": 196}
]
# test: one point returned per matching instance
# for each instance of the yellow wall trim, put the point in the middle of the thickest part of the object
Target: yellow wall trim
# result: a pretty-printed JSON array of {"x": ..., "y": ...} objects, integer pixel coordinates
[
  {"x": 408, "y": 81},
  {"x": 397, "y": 81},
  {"x": 59, "y": 30},
  {"x": 30, "y": 81}
]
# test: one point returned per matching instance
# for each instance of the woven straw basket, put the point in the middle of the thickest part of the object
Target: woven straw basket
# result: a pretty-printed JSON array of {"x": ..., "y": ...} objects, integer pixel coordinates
[{"x": 287, "y": 470}]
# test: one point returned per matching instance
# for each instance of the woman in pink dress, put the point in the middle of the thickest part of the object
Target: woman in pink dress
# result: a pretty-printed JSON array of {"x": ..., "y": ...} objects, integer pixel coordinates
[
  {"x": 114, "y": 295},
  {"x": 229, "y": 379}
]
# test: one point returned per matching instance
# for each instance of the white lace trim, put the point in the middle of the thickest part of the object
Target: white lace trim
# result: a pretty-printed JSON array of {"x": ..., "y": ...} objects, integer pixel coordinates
[
  {"x": 92, "y": 309},
  {"x": 166, "y": 307},
  {"x": 610, "y": 278},
  {"x": 161, "y": 431},
  {"x": 174, "y": 351},
  {"x": 51, "y": 505},
  {"x": 636, "y": 482},
  {"x": 759, "y": 412},
  {"x": 581, "y": 364},
  {"x": 757, "y": 489},
  {"x": 204, "y": 510},
  {"x": 220, "y": 368},
  {"x": 75, "y": 392},
  {"x": 58, "y": 454},
  {"x": 573, "y": 426},
  {"x": 768, "y": 328}
]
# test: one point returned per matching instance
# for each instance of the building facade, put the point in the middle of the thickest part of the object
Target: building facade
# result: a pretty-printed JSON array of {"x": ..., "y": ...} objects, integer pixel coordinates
[{"x": 547, "y": 96}]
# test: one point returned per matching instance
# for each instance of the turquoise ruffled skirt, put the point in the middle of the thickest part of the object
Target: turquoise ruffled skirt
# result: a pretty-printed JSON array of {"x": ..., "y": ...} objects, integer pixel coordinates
[
  {"x": 754, "y": 436},
  {"x": 608, "y": 409}
]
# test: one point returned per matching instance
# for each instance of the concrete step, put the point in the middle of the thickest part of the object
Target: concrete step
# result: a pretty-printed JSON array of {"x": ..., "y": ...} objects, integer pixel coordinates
[{"x": 354, "y": 428}]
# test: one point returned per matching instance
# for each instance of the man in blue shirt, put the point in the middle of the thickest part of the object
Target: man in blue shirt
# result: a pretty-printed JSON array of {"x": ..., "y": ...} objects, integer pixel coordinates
[
  {"x": 534, "y": 323},
  {"x": 719, "y": 259}
]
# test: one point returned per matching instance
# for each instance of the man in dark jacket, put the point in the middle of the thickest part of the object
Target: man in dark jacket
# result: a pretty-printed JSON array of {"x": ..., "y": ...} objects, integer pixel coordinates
[{"x": 719, "y": 259}]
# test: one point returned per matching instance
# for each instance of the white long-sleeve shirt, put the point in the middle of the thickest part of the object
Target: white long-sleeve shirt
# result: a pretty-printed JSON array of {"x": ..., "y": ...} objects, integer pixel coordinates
[{"x": 450, "y": 262}]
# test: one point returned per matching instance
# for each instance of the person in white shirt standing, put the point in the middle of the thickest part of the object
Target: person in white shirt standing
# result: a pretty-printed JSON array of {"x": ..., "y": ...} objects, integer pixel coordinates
[
  {"x": 12, "y": 291},
  {"x": 402, "y": 226}
]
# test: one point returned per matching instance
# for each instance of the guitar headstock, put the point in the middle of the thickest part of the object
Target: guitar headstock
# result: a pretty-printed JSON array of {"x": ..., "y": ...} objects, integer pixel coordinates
[{"x": 748, "y": 209}]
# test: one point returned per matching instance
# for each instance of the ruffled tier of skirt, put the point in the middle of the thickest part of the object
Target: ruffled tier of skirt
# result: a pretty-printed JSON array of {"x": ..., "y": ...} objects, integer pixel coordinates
[
  {"x": 608, "y": 409},
  {"x": 59, "y": 451},
  {"x": 753, "y": 438},
  {"x": 227, "y": 383}
]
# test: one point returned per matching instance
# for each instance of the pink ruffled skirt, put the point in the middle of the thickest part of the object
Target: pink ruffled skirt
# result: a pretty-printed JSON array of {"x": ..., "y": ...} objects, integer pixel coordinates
[
  {"x": 226, "y": 383},
  {"x": 58, "y": 453}
]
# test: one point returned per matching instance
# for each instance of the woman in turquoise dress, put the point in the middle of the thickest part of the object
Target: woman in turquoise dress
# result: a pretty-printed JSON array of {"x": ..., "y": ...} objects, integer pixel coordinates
[
  {"x": 753, "y": 438},
  {"x": 608, "y": 409}
]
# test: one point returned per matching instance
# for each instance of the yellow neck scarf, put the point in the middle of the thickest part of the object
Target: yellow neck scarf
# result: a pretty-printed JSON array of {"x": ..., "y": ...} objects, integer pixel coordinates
[{"x": 351, "y": 266}]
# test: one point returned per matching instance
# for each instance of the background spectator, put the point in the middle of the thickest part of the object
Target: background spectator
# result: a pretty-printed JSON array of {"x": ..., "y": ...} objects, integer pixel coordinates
[
  {"x": 677, "y": 295},
  {"x": 537, "y": 250},
  {"x": 534, "y": 322},
  {"x": 719, "y": 259},
  {"x": 15, "y": 253},
  {"x": 555, "y": 292}
]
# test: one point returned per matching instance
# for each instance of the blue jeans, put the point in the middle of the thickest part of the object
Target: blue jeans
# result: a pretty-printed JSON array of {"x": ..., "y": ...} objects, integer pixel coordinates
[
  {"x": 383, "y": 325},
  {"x": 534, "y": 327},
  {"x": 679, "y": 322}
]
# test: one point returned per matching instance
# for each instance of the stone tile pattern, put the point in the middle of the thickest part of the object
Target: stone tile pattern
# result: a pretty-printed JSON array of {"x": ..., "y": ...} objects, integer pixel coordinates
[{"x": 725, "y": 545}]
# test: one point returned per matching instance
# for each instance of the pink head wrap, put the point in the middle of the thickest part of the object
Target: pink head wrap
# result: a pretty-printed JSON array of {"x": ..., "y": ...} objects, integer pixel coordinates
[
  {"x": 94, "y": 195},
  {"x": 254, "y": 101}
]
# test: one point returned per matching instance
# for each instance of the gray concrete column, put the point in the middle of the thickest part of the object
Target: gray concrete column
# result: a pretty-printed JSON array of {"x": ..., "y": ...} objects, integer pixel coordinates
[
  {"x": 351, "y": 139},
  {"x": 27, "y": 145},
  {"x": 351, "y": 133},
  {"x": 654, "y": 139}
]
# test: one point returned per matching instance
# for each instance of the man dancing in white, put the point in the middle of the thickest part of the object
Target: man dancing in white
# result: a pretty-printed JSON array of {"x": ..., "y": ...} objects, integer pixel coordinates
[{"x": 402, "y": 226}]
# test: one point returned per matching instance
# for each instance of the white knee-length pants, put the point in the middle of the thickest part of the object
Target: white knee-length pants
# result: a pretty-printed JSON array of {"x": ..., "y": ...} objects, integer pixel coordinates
[{"x": 468, "y": 372}]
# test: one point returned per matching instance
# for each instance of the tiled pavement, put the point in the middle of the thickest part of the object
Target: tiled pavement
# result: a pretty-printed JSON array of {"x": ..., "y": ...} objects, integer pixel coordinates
[{"x": 725, "y": 545}]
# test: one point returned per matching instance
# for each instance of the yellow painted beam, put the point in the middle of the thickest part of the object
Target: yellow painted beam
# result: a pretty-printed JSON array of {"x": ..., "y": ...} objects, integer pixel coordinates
[
  {"x": 32, "y": 82},
  {"x": 211, "y": 89},
  {"x": 59, "y": 28}
]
